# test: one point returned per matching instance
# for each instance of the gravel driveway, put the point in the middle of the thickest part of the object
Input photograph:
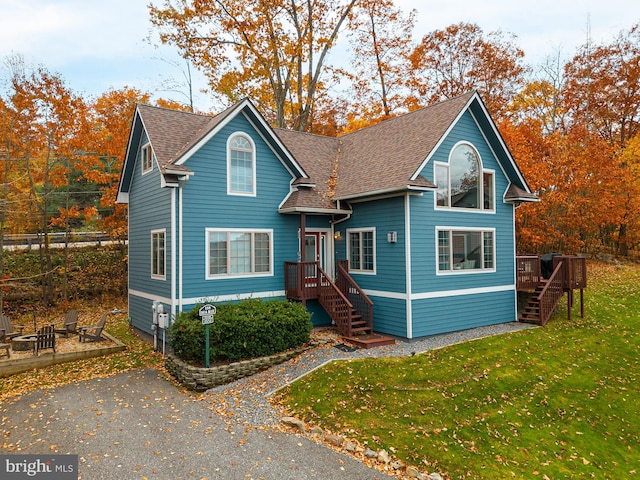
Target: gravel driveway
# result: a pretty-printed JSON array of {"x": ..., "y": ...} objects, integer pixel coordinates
[{"x": 137, "y": 425}]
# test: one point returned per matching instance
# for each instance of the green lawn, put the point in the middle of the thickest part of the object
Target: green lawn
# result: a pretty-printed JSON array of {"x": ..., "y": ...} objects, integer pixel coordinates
[{"x": 560, "y": 401}]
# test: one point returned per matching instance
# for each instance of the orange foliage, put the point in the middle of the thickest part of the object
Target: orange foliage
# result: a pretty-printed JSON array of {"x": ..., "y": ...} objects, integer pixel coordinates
[
  {"x": 273, "y": 51},
  {"x": 461, "y": 58}
]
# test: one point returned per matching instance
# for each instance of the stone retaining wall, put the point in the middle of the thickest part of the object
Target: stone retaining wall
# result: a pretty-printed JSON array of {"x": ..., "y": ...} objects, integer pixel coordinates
[{"x": 201, "y": 379}]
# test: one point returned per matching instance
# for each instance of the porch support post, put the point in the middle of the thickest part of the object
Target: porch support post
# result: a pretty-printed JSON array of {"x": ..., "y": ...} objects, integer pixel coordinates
[{"x": 303, "y": 228}]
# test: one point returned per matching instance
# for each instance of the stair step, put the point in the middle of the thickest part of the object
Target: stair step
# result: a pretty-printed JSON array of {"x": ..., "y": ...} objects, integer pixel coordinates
[
  {"x": 530, "y": 320},
  {"x": 361, "y": 329}
]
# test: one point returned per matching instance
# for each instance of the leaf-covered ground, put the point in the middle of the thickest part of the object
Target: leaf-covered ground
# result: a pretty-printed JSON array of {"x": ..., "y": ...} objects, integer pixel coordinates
[
  {"x": 138, "y": 353},
  {"x": 555, "y": 402}
]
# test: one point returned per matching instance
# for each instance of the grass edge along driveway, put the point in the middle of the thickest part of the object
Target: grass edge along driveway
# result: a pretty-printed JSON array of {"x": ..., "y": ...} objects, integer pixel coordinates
[{"x": 555, "y": 402}]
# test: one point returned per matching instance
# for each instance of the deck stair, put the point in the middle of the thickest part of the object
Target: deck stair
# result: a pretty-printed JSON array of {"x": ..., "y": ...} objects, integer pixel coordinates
[
  {"x": 569, "y": 274},
  {"x": 531, "y": 313}
]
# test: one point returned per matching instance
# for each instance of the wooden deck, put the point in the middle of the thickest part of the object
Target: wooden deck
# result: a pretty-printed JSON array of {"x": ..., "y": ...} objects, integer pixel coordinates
[{"x": 569, "y": 274}]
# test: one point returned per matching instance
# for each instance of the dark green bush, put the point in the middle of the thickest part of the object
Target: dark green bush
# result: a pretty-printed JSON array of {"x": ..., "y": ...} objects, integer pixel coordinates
[
  {"x": 186, "y": 337},
  {"x": 247, "y": 329}
]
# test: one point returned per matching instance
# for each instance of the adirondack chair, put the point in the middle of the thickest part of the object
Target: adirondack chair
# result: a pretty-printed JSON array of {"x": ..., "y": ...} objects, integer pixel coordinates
[
  {"x": 93, "y": 333},
  {"x": 7, "y": 330},
  {"x": 70, "y": 324},
  {"x": 45, "y": 338},
  {"x": 5, "y": 347}
]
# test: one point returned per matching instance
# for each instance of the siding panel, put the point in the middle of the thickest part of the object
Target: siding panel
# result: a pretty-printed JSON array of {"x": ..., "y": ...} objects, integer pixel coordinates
[{"x": 440, "y": 315}]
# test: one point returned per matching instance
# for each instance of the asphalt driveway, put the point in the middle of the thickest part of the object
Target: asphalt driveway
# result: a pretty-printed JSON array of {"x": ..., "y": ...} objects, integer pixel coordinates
[{"x": 137, "y": 425}]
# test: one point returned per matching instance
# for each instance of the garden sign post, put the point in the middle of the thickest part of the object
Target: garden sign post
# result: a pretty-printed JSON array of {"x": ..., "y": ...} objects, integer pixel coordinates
[{"x": 206, "y": 312}]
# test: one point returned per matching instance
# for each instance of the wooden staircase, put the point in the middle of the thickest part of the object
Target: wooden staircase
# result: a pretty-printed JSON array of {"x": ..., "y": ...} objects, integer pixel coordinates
[
  {"x": 531, "y": 313},
  {"x": 569, "y": 273},
  {"x": 348, "y": 306}
]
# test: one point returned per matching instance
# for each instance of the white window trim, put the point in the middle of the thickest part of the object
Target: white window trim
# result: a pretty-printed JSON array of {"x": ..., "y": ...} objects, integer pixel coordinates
[
  {"x": 482, "y": 170},
  {"x": 208, "y": 231},
  {"x": 146, "y": 146},
  {"x": 230, "y": 191},
  {"x": 492, "y": 208},
  {"x": 471, "y": 271},
  {"x": 163, "y": 231},
  {"x": 375, "y": 263}
]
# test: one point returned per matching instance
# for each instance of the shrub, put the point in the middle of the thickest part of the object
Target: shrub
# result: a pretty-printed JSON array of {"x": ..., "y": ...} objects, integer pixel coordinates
[{"x": 247, "y": 329}]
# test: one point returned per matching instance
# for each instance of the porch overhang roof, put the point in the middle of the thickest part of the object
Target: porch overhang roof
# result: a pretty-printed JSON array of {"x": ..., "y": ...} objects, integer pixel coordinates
[
  {"x": 316, "y": 211},
  {"x": 515, "y": 194}
]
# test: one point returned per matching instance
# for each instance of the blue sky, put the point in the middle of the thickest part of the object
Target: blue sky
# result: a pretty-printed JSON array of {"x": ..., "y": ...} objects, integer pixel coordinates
[{"x": 98, "y": 45}]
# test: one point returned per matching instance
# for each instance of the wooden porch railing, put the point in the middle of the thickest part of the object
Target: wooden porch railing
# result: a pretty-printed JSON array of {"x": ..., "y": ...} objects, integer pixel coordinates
[
  {"x": 301, "y": 280},
  {"x": 574, "y": 272},
  {"x": 527, "y": 272},
  {"x": 551, "y": 293},
  {"x": 362, "y": 304}
]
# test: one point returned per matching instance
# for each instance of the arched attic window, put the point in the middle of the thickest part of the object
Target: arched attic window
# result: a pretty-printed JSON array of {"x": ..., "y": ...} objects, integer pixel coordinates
[
  {"x": 241, "y": 164},
  {"x": 462, "y": 183}
]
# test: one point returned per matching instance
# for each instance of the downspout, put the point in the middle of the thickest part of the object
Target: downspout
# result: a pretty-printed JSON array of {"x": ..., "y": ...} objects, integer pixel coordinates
[
  {"x": 180, "y": 226},
  {"x": 173, "y": 257},
  {"x": 408, "y": 269}
]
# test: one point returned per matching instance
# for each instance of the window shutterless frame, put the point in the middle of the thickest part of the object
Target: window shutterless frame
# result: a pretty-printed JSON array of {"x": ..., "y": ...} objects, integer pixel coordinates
[
  {"x": 158, "y": 254},
  {"x": 233, "y": 253},
  {"x": 361, "y": 250},
  {"x": 462, "y": 183},
  {"x": 146, "y": 153},
  {"x": 465, "y": 250},
  {"x": 241, "y": 165}
]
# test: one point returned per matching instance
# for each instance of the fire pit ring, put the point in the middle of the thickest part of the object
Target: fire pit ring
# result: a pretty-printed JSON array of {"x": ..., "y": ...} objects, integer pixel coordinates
[{"x": 23, "y": 343}]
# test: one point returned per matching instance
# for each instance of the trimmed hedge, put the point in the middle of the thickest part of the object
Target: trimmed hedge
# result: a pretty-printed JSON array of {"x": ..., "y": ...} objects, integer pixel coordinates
[{"x": 247, "y": 329}]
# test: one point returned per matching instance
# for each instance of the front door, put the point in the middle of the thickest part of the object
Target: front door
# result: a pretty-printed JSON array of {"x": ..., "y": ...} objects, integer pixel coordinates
[{"x": 314, "y": 248}]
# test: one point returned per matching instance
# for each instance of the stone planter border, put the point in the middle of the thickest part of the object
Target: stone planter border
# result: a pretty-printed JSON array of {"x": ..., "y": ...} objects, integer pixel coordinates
[
  {"x": 200, "y": 379},
  {"x": 19, "y": 365}
]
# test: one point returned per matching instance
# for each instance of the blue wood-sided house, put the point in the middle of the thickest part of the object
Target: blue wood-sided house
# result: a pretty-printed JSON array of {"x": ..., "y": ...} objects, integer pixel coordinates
[{"x": 405, "y": 227}]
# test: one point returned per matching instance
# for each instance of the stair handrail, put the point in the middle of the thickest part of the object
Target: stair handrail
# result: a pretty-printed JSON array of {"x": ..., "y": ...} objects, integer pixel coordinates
[
  {"x": 551, "y": 294},
  {"x": 364, "y": 308},
  {"x": 342, "y": 316}
]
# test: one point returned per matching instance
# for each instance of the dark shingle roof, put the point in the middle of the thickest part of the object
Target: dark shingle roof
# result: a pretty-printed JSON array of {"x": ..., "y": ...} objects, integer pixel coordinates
[
  {"x": 386, "y": 156},
  {"x": 318, "y": 156},
  {"x": 172, "y": 132}
]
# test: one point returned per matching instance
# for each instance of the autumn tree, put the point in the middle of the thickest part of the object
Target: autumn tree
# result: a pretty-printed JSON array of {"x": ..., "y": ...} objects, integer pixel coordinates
[
  {"x": 462, "y": 57},
  {"x": 382, "y": 42},
  {"x": 541, "y": 99},
  {"x": 603, "y": 92},
  {"x": 603, "y": 87},
  {"x": 273, "y": 51},
  {"x": 46, "y": 117}
]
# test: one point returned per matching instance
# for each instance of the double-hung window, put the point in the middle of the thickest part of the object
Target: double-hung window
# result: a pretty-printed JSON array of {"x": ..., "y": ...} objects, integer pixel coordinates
[
  {"x": 234, "y": 252},
  {"x": 466, "y": 250},
  {"x": 158, "y": 255},
  {"x": 241, "y": 165},
  {"x": 462, "y": 182},
  {"x": 147, "y": 158},
  {"x": 361, "y": 245}
]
